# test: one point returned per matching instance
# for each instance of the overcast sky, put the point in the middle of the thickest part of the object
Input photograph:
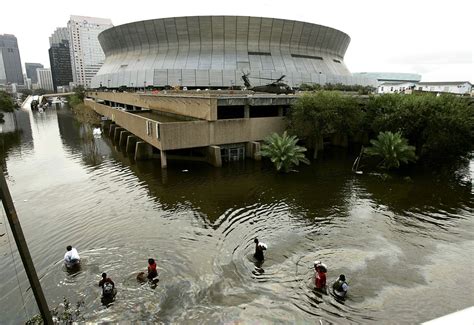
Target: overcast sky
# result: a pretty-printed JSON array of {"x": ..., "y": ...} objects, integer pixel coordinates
[{"x": 432, "y": 38}]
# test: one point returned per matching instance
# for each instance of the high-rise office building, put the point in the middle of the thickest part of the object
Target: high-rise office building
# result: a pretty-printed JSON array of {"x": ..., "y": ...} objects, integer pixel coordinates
[
  {"x": 86, "y": 53},
  {"x": 45, "y": 80},
  {"x": 31, "y": 71},
  {"x": 10, "y": 62},
  {"x": 60, "y": 34},
  {"x": 60, "y": 58}
]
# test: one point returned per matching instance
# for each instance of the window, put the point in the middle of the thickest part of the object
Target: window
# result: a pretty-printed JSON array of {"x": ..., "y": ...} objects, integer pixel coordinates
[
  {"x": 306, "y": 56},
  {"x": 337, "y": 61},
  {"x": 158, "y": 131},
  {"x": 259, "y": 53},
  {"x": 148, "y": 127}
]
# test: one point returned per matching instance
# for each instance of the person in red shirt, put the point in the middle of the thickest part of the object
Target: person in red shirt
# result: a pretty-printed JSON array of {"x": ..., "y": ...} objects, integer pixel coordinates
[
  {"x": 320, "y": 276},
  {"x": 152, "y": 272}
]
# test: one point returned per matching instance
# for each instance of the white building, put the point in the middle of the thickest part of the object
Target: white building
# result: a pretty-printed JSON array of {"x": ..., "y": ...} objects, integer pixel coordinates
[
  {"x": 395, "y": 87},
  {"x": 45, "y": 79},
  {"x": 86, "y": 53},
  {"x": 453, "y": 87}
]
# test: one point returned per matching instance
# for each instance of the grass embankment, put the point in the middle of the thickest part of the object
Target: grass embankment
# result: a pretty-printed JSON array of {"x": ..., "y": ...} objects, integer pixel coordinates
[
  {"x": 82, "y": 112},
  {"x": 85, "y": 114}
]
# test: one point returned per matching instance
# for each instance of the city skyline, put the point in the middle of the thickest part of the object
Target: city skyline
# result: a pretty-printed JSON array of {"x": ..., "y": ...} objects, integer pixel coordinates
[{"x": 404, "y": 37}]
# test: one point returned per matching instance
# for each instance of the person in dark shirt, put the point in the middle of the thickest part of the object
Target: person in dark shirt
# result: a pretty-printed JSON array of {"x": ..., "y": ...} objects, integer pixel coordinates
[
  {"x": 107, "y": 285},
  {"x": 340, "y": 287},
  {"x": 259, "y": 248},
  {"x": 152, "y": 272}
]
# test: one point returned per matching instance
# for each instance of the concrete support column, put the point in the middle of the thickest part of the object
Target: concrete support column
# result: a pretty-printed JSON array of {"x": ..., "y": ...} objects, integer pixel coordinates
[
  {"x": 252, "y": 150},
  {"x": 163, "y": 159},
  {"x": 319, "y": 145},
  {"x": 340, "y": 140},
  {"x": 131, "y": 144},
  {"x": 112, "y": 130},
  {"x": 214, "y": 156},
  {"x": 105, "y": 125},
  {"x": 143, "y": 151},
  {"x": 280, "y": 111},
  {"x": 246, "y": 111},
  {"x": 123, "y": 138},
  {"x": 117, "y": 133}
]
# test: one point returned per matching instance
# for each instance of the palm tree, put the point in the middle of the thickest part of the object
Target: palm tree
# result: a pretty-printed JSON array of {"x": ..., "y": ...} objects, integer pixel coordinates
[
  {"x": 283, "y": 151},
  {"x": 392, "y": 148}
]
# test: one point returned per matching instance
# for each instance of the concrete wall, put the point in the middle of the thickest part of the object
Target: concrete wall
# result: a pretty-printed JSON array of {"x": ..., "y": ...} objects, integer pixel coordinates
[
  {"x": 133, "y": 123},
  {"x": 204, "y": 108},
  {"x": 185, "y": 135},
  {"x": 244, "y": 130},
  {"x": 192, "y": 134}
]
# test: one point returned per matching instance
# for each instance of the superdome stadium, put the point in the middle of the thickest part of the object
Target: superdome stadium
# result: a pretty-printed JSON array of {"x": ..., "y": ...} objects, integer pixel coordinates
[{"x": 215, "y": 51}]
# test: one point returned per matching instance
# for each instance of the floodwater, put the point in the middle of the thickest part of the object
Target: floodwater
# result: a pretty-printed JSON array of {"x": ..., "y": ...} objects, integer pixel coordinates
[{"x": 404, "y": 245}]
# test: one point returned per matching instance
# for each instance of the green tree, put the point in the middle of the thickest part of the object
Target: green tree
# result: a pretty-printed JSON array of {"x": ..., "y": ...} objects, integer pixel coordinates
[
  {"x": 392, "y": 148},
  {"x": 6, "y": 102},
  {"x": 440, "y": 127},
  {"x": 283, "y": 151},
  {"x": 315, "y": 115},
  {"x": 25, "y": 93},
  {"x": 40, "y": 92},
  {"x": 78, "y": 96}
]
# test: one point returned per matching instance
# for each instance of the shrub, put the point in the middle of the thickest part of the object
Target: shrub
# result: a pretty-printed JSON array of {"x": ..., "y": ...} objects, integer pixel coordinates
[
  {"x": 392, "y": 148},
  {"x": 315, "y": 115},
  {"x": 440, "y": 127},
  {"x": 6, "y": 102},
  {"x": 284, "y": 152}
]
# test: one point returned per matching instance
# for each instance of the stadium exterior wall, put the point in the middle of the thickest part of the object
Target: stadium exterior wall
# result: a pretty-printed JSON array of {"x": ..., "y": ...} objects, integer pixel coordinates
[{"x": 214, "y": 51}]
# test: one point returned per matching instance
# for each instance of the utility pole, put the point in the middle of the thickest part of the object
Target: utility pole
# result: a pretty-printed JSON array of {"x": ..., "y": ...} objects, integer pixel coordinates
[{"x": 23, "y": 250}]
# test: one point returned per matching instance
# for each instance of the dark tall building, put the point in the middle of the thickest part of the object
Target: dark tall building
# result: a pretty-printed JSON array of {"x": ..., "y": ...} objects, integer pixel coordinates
[
  {"x": 31, "y": 71},
  {"x": 10, "y": 62},
  {"x": 60, "y": 58}
]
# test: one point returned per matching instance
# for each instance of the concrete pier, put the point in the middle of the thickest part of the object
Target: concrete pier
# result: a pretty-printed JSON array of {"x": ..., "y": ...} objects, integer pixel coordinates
[
  {"x": 112, "y": 129},
  {"x": 131, "y": 144},
  {"x": 117, "y": 133},
  {"x": 123, "y": 138},
  {"x": 106, "y": 126},
  {"x": 252, "y": 150},
  {"x": 214, "y": 156},
  {"x": 143, "y": 151},
  {"x": 163, "y": 159}
]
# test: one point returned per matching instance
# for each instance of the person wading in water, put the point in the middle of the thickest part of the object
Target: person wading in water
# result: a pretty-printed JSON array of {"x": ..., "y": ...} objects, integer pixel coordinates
[{"x": 259, "y": 248}]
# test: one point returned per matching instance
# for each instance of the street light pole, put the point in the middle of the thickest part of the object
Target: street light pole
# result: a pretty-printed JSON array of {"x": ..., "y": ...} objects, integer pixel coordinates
[{"x": 23, "y": 250}]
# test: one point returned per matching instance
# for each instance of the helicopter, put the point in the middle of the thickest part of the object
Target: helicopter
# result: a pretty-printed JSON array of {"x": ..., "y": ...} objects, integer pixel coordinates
[{"x": 276, "y": 87}]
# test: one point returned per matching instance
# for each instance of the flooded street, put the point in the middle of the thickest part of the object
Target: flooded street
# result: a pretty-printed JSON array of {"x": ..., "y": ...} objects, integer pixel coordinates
[{"x": 404, "y": 246}]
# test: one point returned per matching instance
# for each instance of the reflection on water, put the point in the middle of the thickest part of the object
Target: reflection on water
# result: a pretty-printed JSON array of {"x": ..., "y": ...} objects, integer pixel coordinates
[{"x": 393, "y": 239}]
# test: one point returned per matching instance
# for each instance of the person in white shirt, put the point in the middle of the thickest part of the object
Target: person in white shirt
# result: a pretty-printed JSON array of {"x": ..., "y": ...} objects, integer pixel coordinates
[
  {"x": 259, "y": 248},
  {"x": 71, "y": 258}
]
